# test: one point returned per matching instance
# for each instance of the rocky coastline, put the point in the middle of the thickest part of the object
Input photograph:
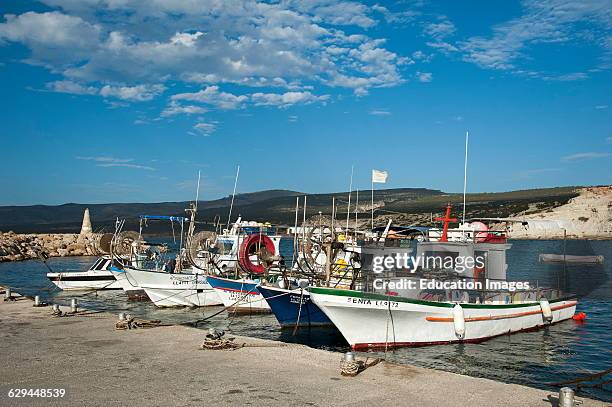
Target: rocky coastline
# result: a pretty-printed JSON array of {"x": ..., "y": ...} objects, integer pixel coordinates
[{"x": 17, "y": 247}]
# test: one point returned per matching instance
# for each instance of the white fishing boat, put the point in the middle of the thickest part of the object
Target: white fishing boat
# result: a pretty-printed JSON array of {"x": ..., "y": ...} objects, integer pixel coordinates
[
  {"x": 169, "y": 289},
  {"x": 371, "y": 320},
  {"x": 97, "y": 277},
  {"x": 130, "y": 287},
  {"x": 435, "y": 302}
]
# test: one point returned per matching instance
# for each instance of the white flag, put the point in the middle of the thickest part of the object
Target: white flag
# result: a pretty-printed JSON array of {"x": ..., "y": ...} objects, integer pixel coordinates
[{"x": 379, "y": 176}]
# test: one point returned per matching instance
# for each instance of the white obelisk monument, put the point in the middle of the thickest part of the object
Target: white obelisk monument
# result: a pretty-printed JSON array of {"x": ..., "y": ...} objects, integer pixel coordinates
[{"x": 86, "y": 227}]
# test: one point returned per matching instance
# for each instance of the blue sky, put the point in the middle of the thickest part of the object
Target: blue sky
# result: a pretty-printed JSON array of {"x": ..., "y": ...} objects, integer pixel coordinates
[{"x": 125, "y": 101}]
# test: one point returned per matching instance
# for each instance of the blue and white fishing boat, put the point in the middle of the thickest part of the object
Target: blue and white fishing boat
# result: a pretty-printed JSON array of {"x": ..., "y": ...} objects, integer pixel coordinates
[
  {"x": 239, "y": 295},
  {"x": 293, "y": 307}
]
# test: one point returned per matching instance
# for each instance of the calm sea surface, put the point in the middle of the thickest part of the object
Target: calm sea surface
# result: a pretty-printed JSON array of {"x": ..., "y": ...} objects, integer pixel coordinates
[{"x": 561, "y": 352}]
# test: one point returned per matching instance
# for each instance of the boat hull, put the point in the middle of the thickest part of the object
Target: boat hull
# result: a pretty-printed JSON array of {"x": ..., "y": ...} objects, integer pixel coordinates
[
  {"x": 84, "y": 280},
  {"x": 378, "y": 321},
  {"x": 239, "y": 295},
  {"x": 285, "y": 305},
  {"x": 174, "y": 289},
  {"x": 130, "y": 287}
]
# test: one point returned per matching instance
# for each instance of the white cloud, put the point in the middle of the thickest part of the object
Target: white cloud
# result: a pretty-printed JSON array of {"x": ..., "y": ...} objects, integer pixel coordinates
[
  {"x": 543, "y": 22},
  {"x": 576, "y": 76},
  {"x": 139, "y": 93},
  {"x": 585, "y": 156},
  {"x": 105, "y": 159},
  {"x": 379, "y": 112},
  {"x": 55, "y": 39},
  {"x": 424, "y": 76},
  {"x": 175, "y": 108},
  {"x": 440, "y": 30},
  {"x": 107, "y": 162},
  {"x": 600, "y": 107},
  {"x": 212, "y": 96},
  {"x": 290, "y": 44},
  {"x": 286, "y": 99},
  {"x": 293, "y": 118},
  {"x": 393, "y": 17},
  {"x": 337, "y": 12},
  {"x": 205, "y": 129},
  {"x": 442, "y": 46},
  {"x": 74, "y": 88},
  {"x": 609, "y": 139},
  {"x": 136, "y": 166}
]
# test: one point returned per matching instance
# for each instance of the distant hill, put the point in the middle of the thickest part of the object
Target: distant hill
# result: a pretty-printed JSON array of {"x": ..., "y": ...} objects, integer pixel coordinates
[{"x": 278, "y": 206}]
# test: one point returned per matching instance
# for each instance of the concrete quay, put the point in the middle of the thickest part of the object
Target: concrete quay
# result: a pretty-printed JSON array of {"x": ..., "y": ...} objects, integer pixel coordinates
[{"x": 164, "y": 366}]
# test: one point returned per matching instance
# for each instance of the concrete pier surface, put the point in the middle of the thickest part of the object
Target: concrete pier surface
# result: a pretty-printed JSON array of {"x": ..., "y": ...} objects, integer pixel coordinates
[{"x": 164, "y": 366}]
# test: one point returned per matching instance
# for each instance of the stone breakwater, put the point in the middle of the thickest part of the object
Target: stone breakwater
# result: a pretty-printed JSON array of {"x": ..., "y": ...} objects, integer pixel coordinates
[{"x": 16, "y": 247}]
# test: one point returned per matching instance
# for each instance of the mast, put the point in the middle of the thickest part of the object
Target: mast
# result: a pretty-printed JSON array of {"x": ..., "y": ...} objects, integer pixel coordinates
[
  {"x": 229, "y": 218},
  {"x": 348, "y": 209},
  {"x": 467, "y": 136},
  {"x": 295, "y": 230}
]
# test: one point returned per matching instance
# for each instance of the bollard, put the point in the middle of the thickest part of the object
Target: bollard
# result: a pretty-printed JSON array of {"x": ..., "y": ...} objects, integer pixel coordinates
[
  {"x": 73, "y": 305},
  {"x": 566, "y": 397},
  {"x": 122, "y": 316},
  {"x": 7, "y": 294},
  {"x": 349, "y": 357},
  {"x": 37, "y": 300}
]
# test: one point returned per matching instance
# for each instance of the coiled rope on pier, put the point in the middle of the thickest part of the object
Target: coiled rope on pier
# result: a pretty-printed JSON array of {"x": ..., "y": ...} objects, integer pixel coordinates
[{"x": 351, "y": 368}]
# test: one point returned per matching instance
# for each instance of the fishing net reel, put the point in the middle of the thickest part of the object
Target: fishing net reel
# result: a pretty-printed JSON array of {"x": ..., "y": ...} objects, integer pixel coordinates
[
  {"x": 201, "y": 249},
  {"x": 124, "y": 243},
  {"x": 102, "y": 245}
]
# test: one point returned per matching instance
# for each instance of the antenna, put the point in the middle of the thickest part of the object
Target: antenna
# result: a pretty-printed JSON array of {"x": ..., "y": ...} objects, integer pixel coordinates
[
  {"x": 229, "y": 218},
  {"x": 197, "y": 192},
  {"x": 467, "y": 137}
]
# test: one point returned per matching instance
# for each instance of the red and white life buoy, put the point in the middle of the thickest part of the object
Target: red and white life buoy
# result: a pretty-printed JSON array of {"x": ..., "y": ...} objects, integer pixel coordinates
[{"x": 249, "y": 246}]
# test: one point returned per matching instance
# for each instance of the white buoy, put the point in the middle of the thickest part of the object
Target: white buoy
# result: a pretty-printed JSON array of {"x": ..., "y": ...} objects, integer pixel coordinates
[
  {"x": 566, "y": 397},
  {"x": 73, "y": 305},
  {"x": 459, "y": 321},
  {"x": 37, "y": 300},
  {"x": 546, "y": 311}
]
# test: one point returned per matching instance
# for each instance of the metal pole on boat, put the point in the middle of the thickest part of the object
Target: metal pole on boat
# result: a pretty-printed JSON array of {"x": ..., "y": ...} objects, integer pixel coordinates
[
  {"x": 229, "y": 218},
  {"x": 372, "y": 203},
  {"x": 348, "y": 209},
  {"x": 467, "y": 137},
  {"x": 304, "y": 220},
  {"x": 356, "y": 207},
  {"x": 197, "y": 192},
  {"x": 333, "y": 226},
  {"x": 73, "y": 305},
  {"x": 295, "y": 230}
]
